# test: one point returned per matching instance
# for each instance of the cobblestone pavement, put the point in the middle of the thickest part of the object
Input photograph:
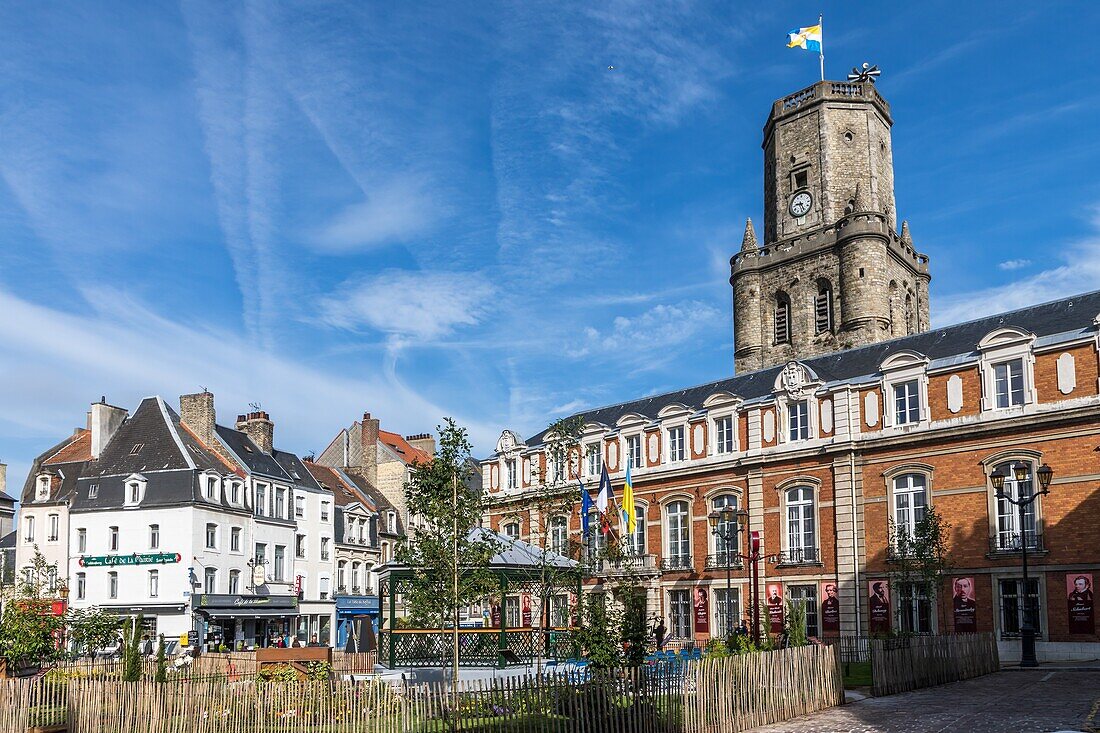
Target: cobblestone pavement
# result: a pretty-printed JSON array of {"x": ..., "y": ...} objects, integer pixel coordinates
[{"x": 1039, "y": 701}]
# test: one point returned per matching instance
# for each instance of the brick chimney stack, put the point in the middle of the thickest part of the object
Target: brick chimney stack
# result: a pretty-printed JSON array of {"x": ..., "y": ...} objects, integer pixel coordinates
[
  {"x": 369, "y": 438},
  {"x": 422, "y": 441},
  {"x": 258, "y": 426},
  {"x": 197, "y": 413}
]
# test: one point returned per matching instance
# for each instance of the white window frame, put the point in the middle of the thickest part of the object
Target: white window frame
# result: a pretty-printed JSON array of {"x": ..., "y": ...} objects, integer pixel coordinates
[
  {"x": 729, "y": 444},
  {"x": 636, "y": 544},
  {"x": 1005, "y": 517},
  {"x": 324, "y": 511},
  {"x": 28, "y": 530},
  {"x": 1001, "y": 346},
  {"x": 210, "y": 581},
  {"x": 134, "y": 490},
  {"x": 717, "y": 500},
  {"x": 299, "y": 506},
  {"x": 234, "y": 581},
  {"x": 670, "y": 455},
  {"x": 892, "y": 479},
  {"x": 154, "y": 583},
  {"x": 210, "y": 531},
  {"x": 235, "y": 536},
  {"x": 593, "y": 459},
  {"x": 559, "y": 535},
  {"x": 678, "y": 547},
  {"x": 511, "y": 474},
  {"x": 81, "y": 586},
  {"x": 680, "y": 612},
  {"x": 784, "y": 489},
  {"x": 112, "y": 585},
  {"x": 42, "y": 487},
  {"x": 113, "y": 541},
  {"x": 154, "y": 536},
  {"x": 1014, "y": 392},
  {"x": 635, "y": 450},
  {"x": 793, "y": 410},
  {"x": 53, "y": 527},
  {"x": 81, "y": 540}
]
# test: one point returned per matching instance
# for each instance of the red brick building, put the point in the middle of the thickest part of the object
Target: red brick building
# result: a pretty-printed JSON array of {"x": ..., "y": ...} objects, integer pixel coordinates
[{"x": 833, "y": 450}]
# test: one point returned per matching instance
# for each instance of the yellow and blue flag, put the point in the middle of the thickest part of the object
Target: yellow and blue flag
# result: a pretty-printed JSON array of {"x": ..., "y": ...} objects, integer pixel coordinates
[
  {"x": 630, "y": 521},
  {"x": 807, "y": 38}
]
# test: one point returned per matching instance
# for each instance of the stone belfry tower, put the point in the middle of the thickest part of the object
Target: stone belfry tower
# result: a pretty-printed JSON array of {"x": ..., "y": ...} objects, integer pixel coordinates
[{"x": 833, "y": 271}]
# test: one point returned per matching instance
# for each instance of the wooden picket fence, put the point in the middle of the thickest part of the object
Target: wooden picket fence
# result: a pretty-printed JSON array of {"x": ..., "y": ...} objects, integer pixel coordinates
[
  {"x": 899, "y": 665},
  {"x": 233, "y": 666},
  {"x": 707, "y": 696},
  {"x": 742, "y": 692}
]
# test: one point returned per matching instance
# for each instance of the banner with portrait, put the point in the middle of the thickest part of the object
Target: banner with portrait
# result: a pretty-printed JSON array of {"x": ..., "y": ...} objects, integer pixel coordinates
[
  {"x": 1079, "y": 603},
  {"x": 702, "y": 610},
  {"x": 775, "y": 607},
  {"x": 525, "y": 600},
  {"x": 964, "y": 605},
  {"x": 878, "y": 606},
  {"x": 830, "y": 608}
]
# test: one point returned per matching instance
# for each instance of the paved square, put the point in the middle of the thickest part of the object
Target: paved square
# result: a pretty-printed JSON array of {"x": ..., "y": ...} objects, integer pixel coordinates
[{"x": 1013, "y": 701}]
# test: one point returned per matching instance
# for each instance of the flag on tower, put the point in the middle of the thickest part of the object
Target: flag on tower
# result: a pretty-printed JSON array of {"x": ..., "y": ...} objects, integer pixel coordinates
[
  {"x": 808, "y": 38},
  {"x": 630, "y": 520}
]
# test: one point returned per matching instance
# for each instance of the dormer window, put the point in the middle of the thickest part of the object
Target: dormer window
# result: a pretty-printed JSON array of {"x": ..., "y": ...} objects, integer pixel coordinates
[
  {"x": 235, "y": 492},
  {"x": 676, "y": 450},
  {"x": 42, "y": 488},
  {"x": 1008, "y": 383},
  {"x": 907, "y": 402},
  {"x": 93, "y": 491},
  {"x": 1007, "y": 366},
  {"x": 391, "y": 522},
  {"x": 211, "y": 488},
  {"x": 595, "y": 459},
  {"x": 798, "y": 418},
  {"x": 134, "y": 490},
  {"x": 512, "y": 477},
  {"x": 136, "y": 448},
  {"x": 723, "y": 429}
]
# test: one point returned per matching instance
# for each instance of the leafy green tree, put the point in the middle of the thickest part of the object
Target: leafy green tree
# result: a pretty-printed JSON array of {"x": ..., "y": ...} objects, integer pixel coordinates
[
  {"x": 918, "y": 561},
  {"x": 30, "y": 631},
  {"x": 448, "y": 559},
  {"x": 92, "y": 629}
]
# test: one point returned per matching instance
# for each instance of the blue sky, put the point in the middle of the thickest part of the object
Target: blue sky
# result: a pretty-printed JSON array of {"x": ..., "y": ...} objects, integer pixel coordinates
[{"x": 437, "y": 208}]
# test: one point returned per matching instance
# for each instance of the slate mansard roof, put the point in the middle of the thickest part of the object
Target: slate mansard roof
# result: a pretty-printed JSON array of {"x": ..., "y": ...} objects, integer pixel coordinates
[
  {"x": 1053, "y": 322},
  {"x": 154, "y": 443}
]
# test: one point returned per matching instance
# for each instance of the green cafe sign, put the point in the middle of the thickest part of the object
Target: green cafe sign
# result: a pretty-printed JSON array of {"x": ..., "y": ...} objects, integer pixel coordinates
[{"x": 138, "y": 558}]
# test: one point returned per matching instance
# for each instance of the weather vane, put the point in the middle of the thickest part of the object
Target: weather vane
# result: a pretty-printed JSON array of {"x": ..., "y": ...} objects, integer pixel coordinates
[{"x": 866, "y": 73}]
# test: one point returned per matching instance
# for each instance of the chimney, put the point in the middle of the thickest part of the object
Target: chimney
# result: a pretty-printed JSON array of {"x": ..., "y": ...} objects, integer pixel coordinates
[
  {"x": 197, "y": 413},
  {"x": 423, "y": 441},
  {"x": 258, "y": 426},
  {"x": 369, "y": 438},
  {"x": 104, "y": 421}
]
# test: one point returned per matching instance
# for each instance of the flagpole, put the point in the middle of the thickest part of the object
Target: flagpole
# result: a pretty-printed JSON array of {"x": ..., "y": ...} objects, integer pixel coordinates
[{"x": 821, "y": 48}]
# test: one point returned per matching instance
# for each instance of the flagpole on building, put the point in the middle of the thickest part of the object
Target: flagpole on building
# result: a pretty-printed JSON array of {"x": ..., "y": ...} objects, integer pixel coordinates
[{"x": 821, "y": 45}]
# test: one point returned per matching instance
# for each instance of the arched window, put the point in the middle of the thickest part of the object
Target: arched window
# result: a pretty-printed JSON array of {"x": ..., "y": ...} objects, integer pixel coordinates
[
  {"x": 782, "y": 319},
  {"x": 1010, "y": 535},
  {"x": 511, "y": 530},
  {"x": 910, "y": 506},
  {"x": 679, "y": 535},
  {"x": 823, "y": 308},
  {"x": 726, "y": 521},
  {"x": 910, "y": 315},
  {"x": 801, "y": 525}
]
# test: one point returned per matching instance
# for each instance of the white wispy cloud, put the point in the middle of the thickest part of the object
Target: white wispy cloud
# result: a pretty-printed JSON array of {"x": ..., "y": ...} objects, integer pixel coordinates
[
  {"x": 1013, "y": 264},
  {"x": 418, "y": 305},
  {"x": 638, "y": 339},
  {"x": 1075, "y": 269},
  {"x": 397, "y": 212},
  {"x": 56, "y": 362}
]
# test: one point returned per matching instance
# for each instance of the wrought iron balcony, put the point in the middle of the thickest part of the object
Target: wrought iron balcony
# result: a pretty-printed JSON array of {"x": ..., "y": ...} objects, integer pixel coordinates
[
  {"x": 1008, "y": 543},
  {"x": 677, "y": 562},
  {"x": 799, "y": 556},
  {"x": 719, "y": 560}
]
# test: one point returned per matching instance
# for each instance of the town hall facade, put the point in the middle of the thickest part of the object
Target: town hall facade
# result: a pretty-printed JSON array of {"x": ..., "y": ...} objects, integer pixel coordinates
[{"x": 847, "y": 418}]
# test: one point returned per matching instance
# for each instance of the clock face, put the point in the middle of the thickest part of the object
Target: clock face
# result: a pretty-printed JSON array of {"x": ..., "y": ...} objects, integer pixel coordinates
[{"x": 800, "y": 203}]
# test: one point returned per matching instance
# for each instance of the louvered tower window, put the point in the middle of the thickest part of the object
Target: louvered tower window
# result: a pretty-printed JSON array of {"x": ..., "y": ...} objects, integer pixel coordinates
[
  {"x": 823, "y": 309},
  {"x": 782, "y": 319}
]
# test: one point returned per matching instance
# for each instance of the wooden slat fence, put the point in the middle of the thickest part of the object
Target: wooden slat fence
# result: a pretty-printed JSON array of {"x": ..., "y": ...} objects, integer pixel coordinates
[
  {"x": 899, "y": 665},
  {"x": 686, "y": 697},
  {"x": 742, "y": 692}
]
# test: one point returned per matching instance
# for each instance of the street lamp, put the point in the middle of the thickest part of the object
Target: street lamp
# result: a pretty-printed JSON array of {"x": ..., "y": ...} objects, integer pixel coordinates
[
  {"x": 1020, "y": 472},
  {"x": 723, "y": 525}
]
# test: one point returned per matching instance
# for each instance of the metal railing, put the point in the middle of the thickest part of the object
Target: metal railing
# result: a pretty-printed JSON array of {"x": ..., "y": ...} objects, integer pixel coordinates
[
  {"x": 798, "y": 556},
  {"x": 677, "y": 562},
  {"x": 626, "y": 564},
  {"x": 719, "y": 561},
  {"x": 1011, "y": 542}
]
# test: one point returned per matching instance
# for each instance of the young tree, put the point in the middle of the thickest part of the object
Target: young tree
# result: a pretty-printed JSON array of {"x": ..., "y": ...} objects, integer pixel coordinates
[
  {"x": 92, "y": 629},
  {"x": 919, "y": 561},
  {"x": 162, "y": 663},
  {"x": 131, "y": 655},
  {"x": 30, "y": 631},
  {"x": 448, "y": 558}
]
